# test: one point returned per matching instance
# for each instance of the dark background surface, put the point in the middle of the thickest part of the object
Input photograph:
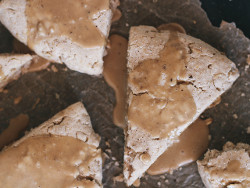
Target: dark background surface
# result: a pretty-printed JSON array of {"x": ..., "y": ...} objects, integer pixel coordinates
[
  {"x": 237, "y": 11},
  {"x": 230, "y": 117}
]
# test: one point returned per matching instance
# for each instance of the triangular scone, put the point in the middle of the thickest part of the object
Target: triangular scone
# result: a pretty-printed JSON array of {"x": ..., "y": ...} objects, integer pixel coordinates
[
  {"x": 11, "y": 66},
  {"x": 172, "y": 79},
  {"x": 228, "y": 168},
  {"x": 61, "y": 152},
  {"x": 61, "y": 31}
]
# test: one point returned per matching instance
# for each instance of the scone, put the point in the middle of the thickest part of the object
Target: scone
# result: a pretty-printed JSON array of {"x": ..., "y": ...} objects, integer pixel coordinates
[
  {"x": 70, "y": 32},
  {"x": 228, "y": 168},
  {"x": 11, "y": 66},
  {"x": 172, "y": 79},
  {"x": 61, "y": 152}
]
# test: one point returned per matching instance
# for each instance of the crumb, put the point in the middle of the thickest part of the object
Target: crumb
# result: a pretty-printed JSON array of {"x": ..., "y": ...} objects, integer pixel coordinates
[
  {"x": 166, "y": 181},
  {"x": 248, "y": 59},
  {"x": 209, "y": 137},
  {"x": 215, "y": 103},
  {"x": 135, "y": 11},
  {"x": 1, "y": 109},
  {"x": 5, "y": 91},
  {"x": 119, "y": 178},
  {"x": 107, "y": 144},
  {"x": 139, "y": 3},
  {"x": 105, "y": 156},
  {"x": 127, "y": 25},
  {"x": 162, "y": 177},
  {"x": 208, "y": 121},
  {"x": 155, "y": 1},
  {"x": 202, "y": 116},
  {"x": 235, "y": 116},
  {"x": 159, "y": 183},
  {"x": 54, "y": 69},
  {"x": 57, "y": 96},
  {"x": 246, "y": 68},
  {"x": 36, "y": 103},
  {"x": 108, "y": 150},
  {"x": 116, "y": 163},
  {"x": 65, "y": 69},
  {"x": 226, "y": 104},
  {"x": 137, "y": 183},
  {"x": 17, "y": 100},
  {"x": 194, "y": 22},
  {"x": 248, "y": 130},
  {"x": 243, "y": 94},
  {"x": 113, "y": 158}
]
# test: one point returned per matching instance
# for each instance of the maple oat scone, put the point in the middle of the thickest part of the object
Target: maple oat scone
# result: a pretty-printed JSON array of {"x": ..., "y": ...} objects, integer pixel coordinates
[
  {"x": 70, "y": 32},
  {"x": 172, "y": 79},
  {"x": 61, "y": 152},
  {"x": 227, "y": 168}
]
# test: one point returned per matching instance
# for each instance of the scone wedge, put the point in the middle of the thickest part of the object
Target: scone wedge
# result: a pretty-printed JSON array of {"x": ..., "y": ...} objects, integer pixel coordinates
[
  {"x": 61, "y": 152},
  {"x": 70, "y": 32},
  {"x": 172, "y": 79},
  {"x": 227, "y": 168},
  {"x": 11, "y": 66}
]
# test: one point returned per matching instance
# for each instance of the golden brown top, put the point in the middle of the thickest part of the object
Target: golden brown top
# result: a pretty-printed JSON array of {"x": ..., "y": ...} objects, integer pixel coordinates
[
  {"x": 73, "y": 19},
  {"x": 47, "y": 161},
  {"x": 162, "y": 101}
]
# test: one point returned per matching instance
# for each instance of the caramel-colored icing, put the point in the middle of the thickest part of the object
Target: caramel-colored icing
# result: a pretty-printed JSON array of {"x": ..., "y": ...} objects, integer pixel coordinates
[
  {"x": 16, "y": 125},
  {"x": 172, "y": 27},
  {"x": 193, "y": 142},
  {"x": 162, "y": 101},
  {"x": 116, "y": 15},
  {"x": 232, "y": 171},
  {"x": 72, "y": 19},
  {"x": 216, "y": 102},
  {"x": 115, "y": 74},
  {"x": 37, "y": 64},
  {"x": 47, "y": 161}
]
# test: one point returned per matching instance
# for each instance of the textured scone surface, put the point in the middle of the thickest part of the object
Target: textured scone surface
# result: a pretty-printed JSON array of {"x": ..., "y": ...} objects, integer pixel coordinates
[
  {"x": 49, "y": 161},
  {"x": 74, "y": 121},
  {"x": 51, "y": 41},
  {"x": 208, "y": 75},
  {"x": 227, "y": 168},
  {"x": 64, "y": 148},
  {"x": 11, "y": 66}
]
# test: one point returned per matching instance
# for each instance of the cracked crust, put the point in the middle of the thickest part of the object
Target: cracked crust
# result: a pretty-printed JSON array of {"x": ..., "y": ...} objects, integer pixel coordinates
[
  {"x": 216, "y": 161},
  {"x": 210, "y": 75},
  {"x": 74, "y": 122},
  {"x": 11, "y": 66},
  {"x": 59, "y": 49}
]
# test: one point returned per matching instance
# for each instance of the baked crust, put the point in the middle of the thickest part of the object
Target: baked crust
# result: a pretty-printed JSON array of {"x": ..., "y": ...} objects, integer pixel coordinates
[
  {"x": 72, "y": 122},
  {"x": 215, "y": 162},
  {"x": 211, "y": 74},
  {"x": 59, "y": 49}
]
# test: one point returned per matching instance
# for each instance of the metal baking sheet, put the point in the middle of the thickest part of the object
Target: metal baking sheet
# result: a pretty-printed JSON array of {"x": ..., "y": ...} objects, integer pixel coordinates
[{"x": 57, "y": 90}]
